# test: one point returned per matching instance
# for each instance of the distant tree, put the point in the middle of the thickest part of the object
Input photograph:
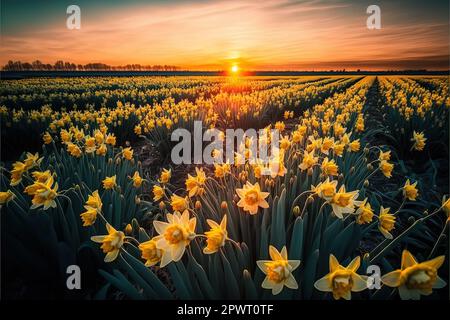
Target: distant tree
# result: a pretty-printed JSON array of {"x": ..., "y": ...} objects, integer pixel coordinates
[{"x": 59, "y": 65}]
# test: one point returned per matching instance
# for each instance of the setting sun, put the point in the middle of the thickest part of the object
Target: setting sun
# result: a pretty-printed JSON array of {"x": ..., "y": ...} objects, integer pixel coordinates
[{"x": 234, "y": 69}]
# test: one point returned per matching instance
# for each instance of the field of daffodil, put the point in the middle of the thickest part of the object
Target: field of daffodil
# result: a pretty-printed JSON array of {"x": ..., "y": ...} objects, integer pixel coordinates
[{"x": 355, "y": 205}]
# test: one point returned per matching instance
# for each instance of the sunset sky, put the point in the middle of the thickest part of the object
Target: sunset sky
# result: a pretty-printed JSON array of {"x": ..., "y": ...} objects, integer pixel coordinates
[{"x": 211, "y": 35}]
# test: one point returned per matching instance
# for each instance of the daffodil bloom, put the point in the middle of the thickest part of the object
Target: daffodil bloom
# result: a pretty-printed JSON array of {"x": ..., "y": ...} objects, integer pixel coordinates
[
  {"x": 313, "y": 144},
  {"x": 325, "y": 190},
  {"x": 329, "y": 167},
  {"x": 251, "y": 198},
  {"x": 98, "y": 136},
  {"x": 385, "y": 155},
  {"x": 364, "y": 213},
  {"x": 410, "y": 191},
  {"x": 220, "y": 170},
  {"x": 346, "y": 138},
  {"x": 386, "y": 222},
  {"x": 179, "y": 203},
  {"x": 109, "y": 182},
  {"x": 414, "y": 279},
  {"x": 47, "y": 138},
  {"x": 360, "y": 123},
  {"x": 93, "y": 206},
  {"x": 90, "y": 144},
  {"x": 278, "y": 271},
  {"x": 354, "y": 146},
  {"x": 110, "y": 139},
  {"x": 419, "y": 141},
  {"x": 297, "y": 136},
  {"x": 41, "y": 176},
  {"x": 137, "y": 180},
  {"x": 386, "y": 168},
  {"x": 89, "y": 216},
  {"x": 279, "y": 125},
  {"x": 326, "y": 145},
  {"x": 127, "y": 153},
  {"x": 66, "y": 136},
  {"x": 94, "y": 201},
  {"x": 6, "y": 196},
  {"x": 44, "y": 194},
  {"x": 194, "y": 185},
  {"x": 174, "y": 236},
  {"x": 150, "y": 253},
  {"x": 74, "y": 150},
  {"x": 32, "y": 160},
  {"x": 158, "y": 193},
  {"x": 101, "y": 150},
  {"x": 338, "y": 149},
  {"x": 285, "y": 143},
  {"x": 111, "y": 243},
  {"x": 165, "y": 176},
  {"x": 309, "y": 160},
  {"x": 216, "y": 237},
  {"x": 342, "y": 281},
  {"x": 344, "y": 202}
]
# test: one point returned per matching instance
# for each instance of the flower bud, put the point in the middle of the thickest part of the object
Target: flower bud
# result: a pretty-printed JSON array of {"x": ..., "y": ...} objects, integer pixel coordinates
[
  {"x": 128, "y": 229},
  {"x": 369, "y": 167},
  {"x": 162, "y": 205},
  {"x": 296, "y": 211},
  {"x": 198, "y": 205},
  {"x": 366, "y": 183},
  {"x": 224, "y": 205}
]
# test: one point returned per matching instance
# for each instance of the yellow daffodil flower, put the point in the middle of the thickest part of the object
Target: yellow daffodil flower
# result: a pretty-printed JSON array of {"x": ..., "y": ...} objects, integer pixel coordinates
[
  {"x": 251, "y": 198},
  {"x": 344, "y": 202},
  {"x": 386, "y": 168},
  {"x": 174, "y": 236},
  {"x": 179, "y": 203},
  {"x": 419, "y": 141},
  {"x": 165, "y": 176},
  {"x": 6, "y": 196},
  {"x": 109, "y": 182},
  {"x": 386, "y": 222},
  {"x": 278, "y": 271},
  {"x": 414, "y": 279},
  {"x": 150, "y": 253},
  {"x": 216, "y": 237},
  {"x": 410, "y": 191},
  {"x": 111, "y": 243},
  {"x": 342, "y": 281}
]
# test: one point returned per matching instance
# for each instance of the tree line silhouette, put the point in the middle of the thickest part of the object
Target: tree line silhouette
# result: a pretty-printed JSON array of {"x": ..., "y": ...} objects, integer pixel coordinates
[{"x": 69, "y": 66}]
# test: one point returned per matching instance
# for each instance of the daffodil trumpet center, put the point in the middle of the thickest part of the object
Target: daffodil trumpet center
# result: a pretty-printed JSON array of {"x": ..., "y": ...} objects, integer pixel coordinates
[
  {"x": 278, "y": 271},
  {"x": 419, "y": 277}
]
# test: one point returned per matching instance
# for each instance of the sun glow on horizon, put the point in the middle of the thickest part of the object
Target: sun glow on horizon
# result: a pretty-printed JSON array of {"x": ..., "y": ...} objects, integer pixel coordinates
[{"x": 234, "y": 69}]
